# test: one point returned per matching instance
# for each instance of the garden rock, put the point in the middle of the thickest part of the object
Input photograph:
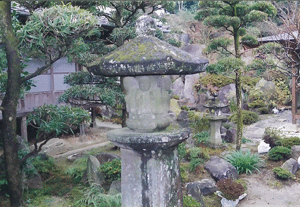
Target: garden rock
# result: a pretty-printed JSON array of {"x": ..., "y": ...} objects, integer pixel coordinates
[
  {"x": 207, "y": 186},
  {"x": 190, "y": 94},
  {"x": 177, "y": 87},
  {"x": 185, "y": 38},
  {"x": 193, "y": 189},
  {"x": 74, "y": 157},
  {"x": 53, "y": 146},
  {"x": 295, "y": 151},
  {"x": 145, "y": 25},
  {"x": 223, "y": 130},
  {"x": 220, "y": 169},
  {"x": 267, "y": 87},
  {"x": 263, "y": 147},
  {"x": 183, "y": 118},
  {"x": 291, "y": 165},
  {"x": 94, "y": 175},
  {"x": 107, "y": 112},
  {"x": 115, "y": 187},
  {"x": 106, "y": 157}
]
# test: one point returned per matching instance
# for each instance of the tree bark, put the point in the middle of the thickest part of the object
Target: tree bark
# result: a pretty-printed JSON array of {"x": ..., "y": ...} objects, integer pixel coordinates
[{"x": 9, "y": 104}]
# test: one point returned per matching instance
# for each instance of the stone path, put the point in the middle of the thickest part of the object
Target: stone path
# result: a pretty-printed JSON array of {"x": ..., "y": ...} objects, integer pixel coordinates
[{"x": 263, "y": 189}]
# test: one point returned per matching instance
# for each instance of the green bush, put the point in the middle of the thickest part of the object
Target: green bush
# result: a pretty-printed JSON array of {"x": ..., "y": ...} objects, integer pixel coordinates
[
  {"x": 185, "y": 108},
  {"x": 249, "y": 117},
  {"x": 77, "y": 169},
  {"x": 189, "y": 201},
  {"x": 159, "y": 34},
  {"x": 174, "y": 42},
  {"x": 44, "y": 166},
  {"x": 279, "y": 153},
  {"x": 244, "y": 162},
  {"x": 53, "y": 120},
  {"x": 214, "y": 80},
  {"x": 196, "y": 156},
  {"x": 94, "y": 196},
  {"x": 198, "y": 123},
  {"x": 202, "y": 137},
  {"x": 225, "y": 65},
  {"x": 111, "y": 170},
  {"x": 289, "y": 142},
  {"x": 281, "y": 173},
  {"x": 181, "y": 151}
]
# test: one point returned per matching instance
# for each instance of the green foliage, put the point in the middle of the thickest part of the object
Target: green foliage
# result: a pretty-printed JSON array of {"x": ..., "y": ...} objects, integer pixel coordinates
[
  {"x": 53, "y": 31},
  {"x": 260, "y": 66},
  {"x": 270, "y": 48},
  {"x": 111, "y": 170},
  {"x": 185, "y": 108},
  {"x": 281, "y": 173},
  {"x": 43, "y": 166},
  {"x": 198, "y": 123},
  {"x": 181, "y": 151},
  {"x": 215, "y": 80},
  {"x": 196, "y": 156},
  {"x": 189, "y": 201},
  {"x": 77, "y": 169},
  {"x": 288, "y": 142},
  {"x": 279, "y": 153},
  {"x": 248, "y": 117},
  {"x": 225, "y": 65},
  {"x": 215, "y": 44},
  {"x": 249, "y": 40},
  {"x": 159, "y": 34},
  {"x": 53, "y": 120},
  {"x": 104, "y": 95},
  {"x": 176, "y": 97},
  {"x": 244, "y": 162},
  {"x": 174, "y": 42},
  {"x": 222, "y": 21},
  {"x": 80, "y": 78},
  {"x": 245, "y": 140},
  {"x": 202, "y": 137},
  {"x": 120, "y": 35},
  {"x": 266, "y": 7},
  {"x": 203, "y": 13},
  {"x": 94, "y": 196}
]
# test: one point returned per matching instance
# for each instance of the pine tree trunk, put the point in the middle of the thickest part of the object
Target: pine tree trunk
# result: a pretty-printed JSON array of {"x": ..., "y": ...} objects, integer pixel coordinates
[
  {"x": 239, "y": 131},
  {"x": 9, "y": 105}
]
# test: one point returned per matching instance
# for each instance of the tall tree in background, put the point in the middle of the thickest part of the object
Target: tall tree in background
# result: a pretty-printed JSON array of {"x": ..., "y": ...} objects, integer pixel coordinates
[
  {"x": 233, "y": 16},
  {"x": 42, "y": 36}
]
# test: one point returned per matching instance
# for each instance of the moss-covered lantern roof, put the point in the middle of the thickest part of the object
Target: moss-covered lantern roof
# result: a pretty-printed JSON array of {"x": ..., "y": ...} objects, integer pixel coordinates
[{"x": 147, "y": 55}]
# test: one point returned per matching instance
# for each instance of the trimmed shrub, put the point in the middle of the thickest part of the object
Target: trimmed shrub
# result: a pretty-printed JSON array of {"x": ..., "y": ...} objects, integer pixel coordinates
[
  {"x": 111, "y": 170},
  {"x": 288, "y": 142},
  {"x": 279, "y": 153},
  {"x": 282, "y": 174},
  {"x": 244, "y": 162},
  {"x": 249, "y": 117},
  {"x": 189, "y": 201}
]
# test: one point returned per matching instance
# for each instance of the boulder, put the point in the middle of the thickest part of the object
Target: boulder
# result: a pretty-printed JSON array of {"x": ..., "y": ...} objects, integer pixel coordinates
[
  {"x": 207, "y": 186},
  {"x": 263, "y": 147},
  {"x": 74, "y": 157},
  {"x": 193, "y": 189},
  {"x": 185, "y": 38},
  {"x": 189, "y": 92},
  {"x": 115, "y": 187},
  {"x": 177, "y": 87},
  {"x": 295, "y": 151},
  {"x": 291, "y": 165},
  {"x": 223, "y": 130},
  {"x": 183, "y": 118},
  {"x": 267, "y": 87},
  {"x": 94, "y": 176},
  {"x": 145, "y": 25},
  {"x": 54, "y": 146},
  {"x": 220, "y": 169},
  {"x": 105, "y": 157},
  {"x": 107, "y": 112}
]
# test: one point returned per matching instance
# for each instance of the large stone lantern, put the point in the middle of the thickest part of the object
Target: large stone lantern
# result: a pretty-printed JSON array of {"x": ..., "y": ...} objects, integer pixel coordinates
[{"x": 150, "y": 167}]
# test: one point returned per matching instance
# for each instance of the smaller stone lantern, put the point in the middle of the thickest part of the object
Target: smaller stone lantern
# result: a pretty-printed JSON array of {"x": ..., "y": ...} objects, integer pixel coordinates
[{"x": 215, "y": 117}]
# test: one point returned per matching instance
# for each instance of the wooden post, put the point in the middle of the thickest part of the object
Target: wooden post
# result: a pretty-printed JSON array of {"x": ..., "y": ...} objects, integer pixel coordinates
[
  {"x": 24, "y": 128},
  {"x": 294, "y": 97}
]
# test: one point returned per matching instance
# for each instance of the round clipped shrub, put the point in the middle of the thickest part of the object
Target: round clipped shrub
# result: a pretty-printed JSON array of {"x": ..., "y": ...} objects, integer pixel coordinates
[
  {"x": 230, "y": 189},
  {"x": 272, "y": 136},
  {"x": 289, "y": 142},
  {"x": 282, "y": 174},
  {"x": 279, "y": 153},
  {"x": 249, "y": 117}
]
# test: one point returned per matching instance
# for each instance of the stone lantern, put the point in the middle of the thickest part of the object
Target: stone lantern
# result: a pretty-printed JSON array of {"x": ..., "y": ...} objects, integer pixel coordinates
[{"x": 150, "y": 167}]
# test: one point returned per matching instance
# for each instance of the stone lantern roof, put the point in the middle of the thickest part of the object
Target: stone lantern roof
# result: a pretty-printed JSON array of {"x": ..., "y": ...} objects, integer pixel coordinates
[{"x": 147, "y": 55}]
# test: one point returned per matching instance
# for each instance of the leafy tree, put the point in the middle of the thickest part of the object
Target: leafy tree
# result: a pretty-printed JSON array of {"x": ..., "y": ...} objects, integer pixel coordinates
[
  {"x": 233, "y": 16},
  {"x": 50, "y": 34}
]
